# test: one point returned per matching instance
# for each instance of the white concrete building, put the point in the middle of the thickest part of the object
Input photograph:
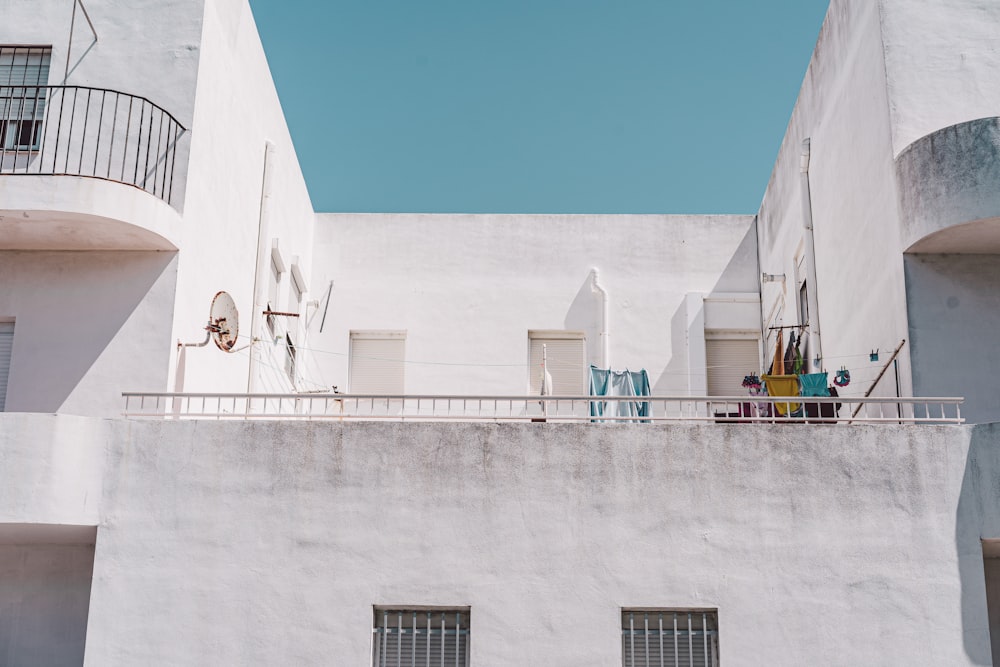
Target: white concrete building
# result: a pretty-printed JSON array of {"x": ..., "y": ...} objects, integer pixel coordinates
[{"x": 145, "y": 166}]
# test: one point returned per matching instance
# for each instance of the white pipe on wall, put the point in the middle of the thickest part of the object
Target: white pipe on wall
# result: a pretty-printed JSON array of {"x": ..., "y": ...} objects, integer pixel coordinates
[
  {"x": 259, "y": 279},
  {"x": 605, "y": 334},
  {"x": 815, "y": 361}
]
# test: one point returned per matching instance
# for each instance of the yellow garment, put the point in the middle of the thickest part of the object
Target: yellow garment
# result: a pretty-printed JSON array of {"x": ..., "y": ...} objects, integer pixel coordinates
[
  {"x": 783, "y": 385},
  {"x": 778, "y": 368}
]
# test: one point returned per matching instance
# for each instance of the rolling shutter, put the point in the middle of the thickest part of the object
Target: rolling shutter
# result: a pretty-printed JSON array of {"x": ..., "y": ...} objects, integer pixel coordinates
[
  {"x": 566, "y": 363},
  {"x": 377, "y": 362},
  {"x": 6, "y": 348},
  {"x": 729, "y": 361}
]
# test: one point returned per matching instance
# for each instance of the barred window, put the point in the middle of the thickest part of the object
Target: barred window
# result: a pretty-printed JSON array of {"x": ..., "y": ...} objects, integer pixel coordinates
[
  {"x": 421, "y": 638},
  {"x": 670, "y": 638},
  {"x": 24, "y": 75}
]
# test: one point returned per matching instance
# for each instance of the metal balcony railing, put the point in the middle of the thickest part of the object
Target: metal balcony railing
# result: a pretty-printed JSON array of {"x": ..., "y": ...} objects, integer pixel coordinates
[
  {"x": 90, "y": 132},
  {"x": 574, "y": 409}
]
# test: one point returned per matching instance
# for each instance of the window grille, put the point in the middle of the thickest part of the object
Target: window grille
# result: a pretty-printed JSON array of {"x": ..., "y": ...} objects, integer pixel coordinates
[
  {"x": 670, "y": 638},
  {"x": 421, "y": 638},
  {"x": 24, "y": 75}
]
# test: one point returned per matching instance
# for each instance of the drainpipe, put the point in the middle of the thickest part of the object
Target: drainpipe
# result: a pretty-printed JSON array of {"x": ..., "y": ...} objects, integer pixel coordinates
[
  {"x": 815, "y": 362},
  {"x": 596, "y": 287},
  {"x": 259, "y": 283}
]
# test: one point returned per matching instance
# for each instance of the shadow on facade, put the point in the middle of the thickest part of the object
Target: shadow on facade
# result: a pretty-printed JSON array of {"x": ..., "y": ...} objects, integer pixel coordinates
[{"x": 978, "y": 517}]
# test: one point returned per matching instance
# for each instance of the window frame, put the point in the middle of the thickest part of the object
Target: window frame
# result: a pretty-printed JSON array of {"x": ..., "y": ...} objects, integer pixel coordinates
[
  {"x": 374, "y": 334},
  {"x": 558, "y": 335},
  {"x": 12, "y": 125},
  {"x": 712, "y": 335},
  {"x": 380, "y": 640},
  {"x": 276, "y": 272},
  {"x": 11, "y": 324},
  {"x": 710, "y": 649}
]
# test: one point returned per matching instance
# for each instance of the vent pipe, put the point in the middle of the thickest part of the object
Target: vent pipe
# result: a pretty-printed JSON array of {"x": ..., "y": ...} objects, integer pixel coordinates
[{"x": 605, "y": 334}]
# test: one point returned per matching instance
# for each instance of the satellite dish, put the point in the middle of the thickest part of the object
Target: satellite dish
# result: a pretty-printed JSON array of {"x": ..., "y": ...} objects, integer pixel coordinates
[{"x": 224, "y": 321}]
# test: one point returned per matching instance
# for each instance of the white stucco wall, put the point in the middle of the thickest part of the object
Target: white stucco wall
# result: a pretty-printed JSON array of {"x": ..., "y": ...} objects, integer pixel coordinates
[
  {"x": 843, "y": 109},
  {"x": 269, "y": 543},
  {"x": 202, "y": 62},
  {"x": 236, "y": 113},
  {"x": 155, "y": 57},
  {"x": 942, "y": 63},
  {"x": 468, "y": 288},
  {"x": 86, "y": 323}
]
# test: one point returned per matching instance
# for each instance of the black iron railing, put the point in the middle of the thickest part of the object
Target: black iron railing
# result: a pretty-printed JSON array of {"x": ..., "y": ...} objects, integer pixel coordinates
[{"x": 91, "y": 132}]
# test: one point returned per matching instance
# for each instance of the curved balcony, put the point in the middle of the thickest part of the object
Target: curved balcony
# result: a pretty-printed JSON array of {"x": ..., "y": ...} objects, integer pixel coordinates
[
  {"x": 104, "y": 138},
  {"x": 949, "y": 190}
]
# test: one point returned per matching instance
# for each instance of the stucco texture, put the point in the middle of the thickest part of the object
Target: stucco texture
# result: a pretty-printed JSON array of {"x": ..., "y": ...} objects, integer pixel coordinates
[{"x": 269, "y": 542}]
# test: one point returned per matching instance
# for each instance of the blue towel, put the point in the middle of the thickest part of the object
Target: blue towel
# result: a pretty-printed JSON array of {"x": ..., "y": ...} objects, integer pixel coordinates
[{"x": 814, "y": 384}]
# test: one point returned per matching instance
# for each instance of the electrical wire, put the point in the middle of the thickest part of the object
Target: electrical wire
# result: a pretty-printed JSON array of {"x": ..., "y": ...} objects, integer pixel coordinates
[{"x": 857, "y": 372}]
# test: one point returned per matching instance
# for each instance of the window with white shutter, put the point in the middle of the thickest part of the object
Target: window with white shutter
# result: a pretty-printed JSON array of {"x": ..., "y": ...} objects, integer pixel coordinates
[
  {"x": 377, "y": 362},
  {"x": 565, "y": 360},
  {"x": 729, "y": 360},
  {"x": 674, "y": 637},
  {"x": 421, "y": 638},
  {"x": 6, "y": 350}
]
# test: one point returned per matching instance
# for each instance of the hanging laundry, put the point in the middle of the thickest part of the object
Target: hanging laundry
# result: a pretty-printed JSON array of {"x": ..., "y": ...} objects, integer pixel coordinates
[
  {"x": 789, "y": 359},
  {"x": 784, "y": 385},
  {"x": 605, "y": 382},
  {"x": 814, "y": 384},
  {"x": 798, "y": 363},
  {"x": 778, "y": 366}
]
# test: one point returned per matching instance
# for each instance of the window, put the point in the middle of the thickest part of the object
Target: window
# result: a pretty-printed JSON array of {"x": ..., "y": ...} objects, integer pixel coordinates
[
  {"x": 296, "y": 290},
  {"x": 274, "y": 283},
  {"x": 729, "y": 359},
  {"x": 420, "y": 637},
  {"x": 674, "y": 637},
  {"x": 290, "y": 358},
  {"x": 565, "y": 360},
  {"x": 24, "y": 74},
  {"x": 804, "y": 303},
  {"x": 6, "y": 350},
  {"x": 377, "y": 362}
]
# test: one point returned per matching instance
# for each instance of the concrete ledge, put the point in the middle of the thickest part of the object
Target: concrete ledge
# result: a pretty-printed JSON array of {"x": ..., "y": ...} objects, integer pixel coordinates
[
  {"x": 949, "y": 190},
  {"x": 79, "y": 213}
]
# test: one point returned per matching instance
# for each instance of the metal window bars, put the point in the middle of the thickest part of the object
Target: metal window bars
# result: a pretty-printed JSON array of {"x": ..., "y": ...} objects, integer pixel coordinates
[
  {"x": 421, "y": 638},
  {"x": 82, "y": 131},
  {"x": 552, "y": 409},
  {"x": 670, "y": 638}
]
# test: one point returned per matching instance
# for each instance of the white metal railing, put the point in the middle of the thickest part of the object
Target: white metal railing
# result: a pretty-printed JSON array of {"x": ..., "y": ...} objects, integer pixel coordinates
[{"x": 580, "y": 409}]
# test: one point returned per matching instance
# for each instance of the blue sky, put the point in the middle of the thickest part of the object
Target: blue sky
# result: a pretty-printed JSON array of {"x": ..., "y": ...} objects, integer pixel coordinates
[{"x": 538, "y": 106}]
